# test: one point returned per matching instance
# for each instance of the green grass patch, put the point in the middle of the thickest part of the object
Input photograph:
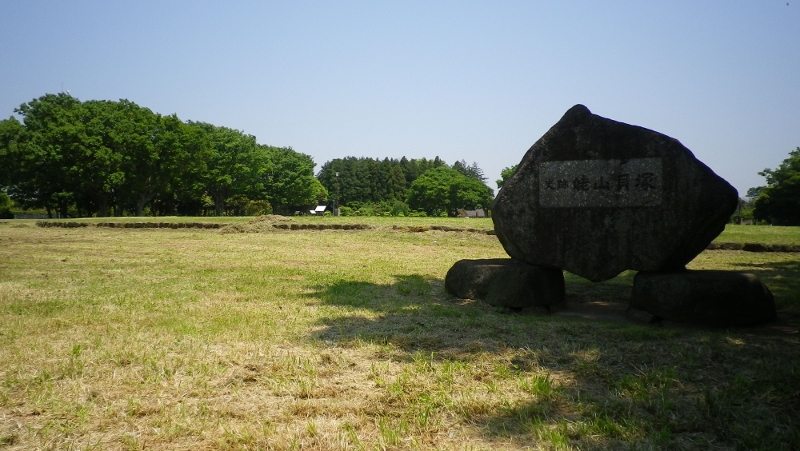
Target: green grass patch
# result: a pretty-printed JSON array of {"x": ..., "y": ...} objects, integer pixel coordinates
[{"x": 760, "y": 234}]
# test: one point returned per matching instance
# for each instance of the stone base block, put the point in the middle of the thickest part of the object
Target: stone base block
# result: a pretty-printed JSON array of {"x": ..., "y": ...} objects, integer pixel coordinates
[
  {"x": 506, "y": 282},
  {"x": 708, "y": 298}
]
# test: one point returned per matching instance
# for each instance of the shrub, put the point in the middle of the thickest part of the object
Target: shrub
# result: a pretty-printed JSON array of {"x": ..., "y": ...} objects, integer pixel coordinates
[
  {"x": 368, "y": 210},
  {"x": 257, "y": 208},
  {"x": 397, "y": 208},
  {"x": 386, "y": 208}
]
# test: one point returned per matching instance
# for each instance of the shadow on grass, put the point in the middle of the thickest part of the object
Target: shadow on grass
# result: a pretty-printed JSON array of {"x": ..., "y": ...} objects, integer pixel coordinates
[
  {"x": 410, "y": 311},
  {"x": 415, "y": 314},
  {"x": 620, "y": 384}
]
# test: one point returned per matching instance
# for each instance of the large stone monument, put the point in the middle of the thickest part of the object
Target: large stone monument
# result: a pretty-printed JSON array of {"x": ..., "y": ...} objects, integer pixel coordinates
[{"x": 597, "y": 197}]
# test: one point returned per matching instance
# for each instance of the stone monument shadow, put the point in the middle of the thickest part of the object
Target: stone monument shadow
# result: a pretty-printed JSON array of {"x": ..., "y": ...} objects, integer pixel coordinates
[
  {"x": 415, "y": 314},
  {"x": 412, "y": 314},
  {"x": 606, "y": 301}
]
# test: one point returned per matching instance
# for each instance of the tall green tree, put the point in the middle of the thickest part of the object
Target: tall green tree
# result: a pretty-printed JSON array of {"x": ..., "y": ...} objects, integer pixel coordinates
[
  {"x": 359, "y": 180},
  {"x": 45, "y": 155},
  {"x": 98, "y": 167},
  {"x": 392, "y": 181},
  {"x": 779, "y": 201},
  {"x": 230, "y": 168},
  {"x": 183, "y": 153},
  {"x": 292, "y": 182},
  {"x": 443, "y": 189},
  {"x": 155, "y": 152}
]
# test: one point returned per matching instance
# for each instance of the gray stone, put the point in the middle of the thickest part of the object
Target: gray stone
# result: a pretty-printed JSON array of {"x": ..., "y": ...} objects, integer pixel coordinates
[
  {"x": 709, "y": 298},
  {"x": 597, "y": 197},
  {"x": 505, "y": 282}
]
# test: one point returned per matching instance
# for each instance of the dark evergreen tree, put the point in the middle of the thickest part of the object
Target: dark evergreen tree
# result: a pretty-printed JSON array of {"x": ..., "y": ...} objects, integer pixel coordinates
[
  {"x": 370, "y": 181},
  {"x": 471, "y": 171}
]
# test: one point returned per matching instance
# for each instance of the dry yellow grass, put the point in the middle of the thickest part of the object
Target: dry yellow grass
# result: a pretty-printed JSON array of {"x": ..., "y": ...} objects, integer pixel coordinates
[{"x": 341, "y": 340}]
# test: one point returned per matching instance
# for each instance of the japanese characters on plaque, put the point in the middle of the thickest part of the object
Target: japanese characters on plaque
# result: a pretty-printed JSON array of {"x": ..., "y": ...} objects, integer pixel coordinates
[{"x": 600, "y": 183}]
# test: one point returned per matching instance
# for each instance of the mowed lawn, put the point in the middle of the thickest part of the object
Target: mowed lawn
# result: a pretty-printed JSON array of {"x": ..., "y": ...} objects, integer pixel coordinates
[{"x": 195, "y": 339}]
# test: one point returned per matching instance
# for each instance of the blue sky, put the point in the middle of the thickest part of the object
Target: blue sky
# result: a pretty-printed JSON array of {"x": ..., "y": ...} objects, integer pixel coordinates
[{"x": 478, "y": 81}]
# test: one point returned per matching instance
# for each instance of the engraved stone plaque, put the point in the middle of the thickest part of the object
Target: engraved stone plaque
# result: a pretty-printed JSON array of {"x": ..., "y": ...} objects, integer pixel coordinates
[{"x": 600, "y": 183}]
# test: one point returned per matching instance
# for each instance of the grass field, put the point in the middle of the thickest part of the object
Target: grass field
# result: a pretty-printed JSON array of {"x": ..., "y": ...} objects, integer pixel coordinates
[
  {"x": 136, "y": 339},
  {"x": 760, "y": 234}
]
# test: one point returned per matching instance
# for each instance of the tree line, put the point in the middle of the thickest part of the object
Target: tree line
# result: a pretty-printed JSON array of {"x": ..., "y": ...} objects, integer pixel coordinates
[
  {"x": 73, "y": 158},
  {"x": 101, "y": 158},
  {"x": 369, "y": 186}
]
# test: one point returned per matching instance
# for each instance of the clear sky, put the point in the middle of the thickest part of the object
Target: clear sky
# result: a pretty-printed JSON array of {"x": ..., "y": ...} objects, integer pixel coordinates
[{"x": 478, "y": 81}]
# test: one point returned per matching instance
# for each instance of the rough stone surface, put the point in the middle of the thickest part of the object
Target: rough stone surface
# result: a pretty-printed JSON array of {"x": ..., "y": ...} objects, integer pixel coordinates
[
  {"x": 506, "y": 283},
  {"x": 709, "y": 298},
  {"x": 597, "y": 197}
]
